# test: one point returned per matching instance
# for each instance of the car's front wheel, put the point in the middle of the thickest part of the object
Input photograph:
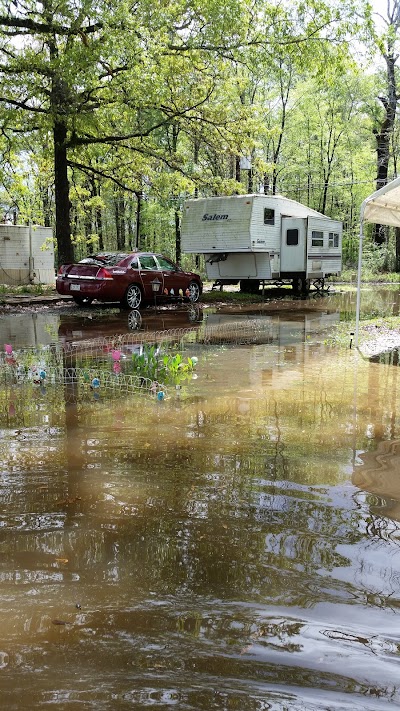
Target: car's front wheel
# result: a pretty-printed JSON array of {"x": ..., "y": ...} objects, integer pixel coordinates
[
  {"x": 133, "y": 297},
  {"x": 83, "y": 300},
  {"x": 194, "y": 291}
]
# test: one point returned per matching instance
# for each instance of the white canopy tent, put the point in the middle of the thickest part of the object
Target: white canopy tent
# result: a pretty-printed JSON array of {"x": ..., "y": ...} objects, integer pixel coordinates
[{"x": 382, "y": 208}]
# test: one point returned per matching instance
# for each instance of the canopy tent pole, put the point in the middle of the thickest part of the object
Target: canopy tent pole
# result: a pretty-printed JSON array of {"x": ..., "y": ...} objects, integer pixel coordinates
[
  {"x": 360, "y": 246},
  {"x": 382, "y": 220}
]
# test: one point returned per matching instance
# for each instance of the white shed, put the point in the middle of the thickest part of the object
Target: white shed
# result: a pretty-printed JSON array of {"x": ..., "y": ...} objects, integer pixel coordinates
[{"x": 26, "y": 255}]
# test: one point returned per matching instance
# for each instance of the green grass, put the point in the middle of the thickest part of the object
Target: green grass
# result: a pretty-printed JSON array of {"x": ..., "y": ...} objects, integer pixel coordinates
[
  {"x": 367, "y": 276},
  {"x": 34, "y": 289}
]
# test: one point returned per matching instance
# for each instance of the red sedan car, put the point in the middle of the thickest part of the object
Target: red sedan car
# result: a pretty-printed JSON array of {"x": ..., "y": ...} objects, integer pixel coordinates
[{"x": 133, "y": 279}]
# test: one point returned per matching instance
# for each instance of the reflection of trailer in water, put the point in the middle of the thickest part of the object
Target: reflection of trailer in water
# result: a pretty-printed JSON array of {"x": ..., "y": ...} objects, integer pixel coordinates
[
  {"x": 285, "y": 348},
  {"x": 276, "y": 329},
  {"x": 291, "y": 340},
  {"x": 253, "y": 239},
  {"x": 298, "y": 344}
]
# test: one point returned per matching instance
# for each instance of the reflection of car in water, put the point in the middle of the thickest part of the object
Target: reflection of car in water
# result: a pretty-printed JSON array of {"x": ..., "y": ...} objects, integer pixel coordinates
[
  {"x": 102, "y": 324},
  {"x": 134, "y": 320},
  {"x": 194, "y": 313}
]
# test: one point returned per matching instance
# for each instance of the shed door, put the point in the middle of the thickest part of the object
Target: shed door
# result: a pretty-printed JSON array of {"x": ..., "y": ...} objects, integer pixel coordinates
[{"x": 293, "y": 247}]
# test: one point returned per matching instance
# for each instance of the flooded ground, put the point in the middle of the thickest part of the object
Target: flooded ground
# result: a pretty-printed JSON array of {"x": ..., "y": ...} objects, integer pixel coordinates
[{"x": 232, "y": 546}]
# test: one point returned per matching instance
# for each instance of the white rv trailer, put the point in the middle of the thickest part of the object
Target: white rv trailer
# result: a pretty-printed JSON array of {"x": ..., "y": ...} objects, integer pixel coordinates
[{"x": 253, "y": 239}]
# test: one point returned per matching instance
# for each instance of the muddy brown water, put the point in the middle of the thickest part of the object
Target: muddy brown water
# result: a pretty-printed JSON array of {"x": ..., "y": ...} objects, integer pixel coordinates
[{"x": 234, "y": 546}]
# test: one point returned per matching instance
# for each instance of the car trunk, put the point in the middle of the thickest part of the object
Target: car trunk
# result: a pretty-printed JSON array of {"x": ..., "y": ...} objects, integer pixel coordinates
[{"x": 82, "y": 271}]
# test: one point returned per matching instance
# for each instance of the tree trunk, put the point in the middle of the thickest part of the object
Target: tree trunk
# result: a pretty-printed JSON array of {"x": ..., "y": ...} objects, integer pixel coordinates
[
  {"x": 116, "y": 217},
  {"x": 88, "y": 223},
  {"x": 251, "y": 181},
  {"x": 237, "y": 169},
  {"x": 120, "y": 221},
  {"x": 46, "y": 206},
  {"x": 324, "y": 196},
  {"x": 397, "y": 240},
  {"x": 178, "y": 251},
  {"x": 384, "y": 134},
  {"x": 99, "y": 224},
  {"x": 138, "y": 223},
  {"x": 383, "y": 140},
  {"x": 196, "y": 149},
  {"x": 65, "y": 250},
  {"x": 98, "y": 218},
  {"x": 59, "y": 101}
]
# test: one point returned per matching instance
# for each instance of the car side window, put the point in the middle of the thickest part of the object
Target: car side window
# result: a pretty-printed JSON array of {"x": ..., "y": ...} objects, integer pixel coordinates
[
  {"x": 166, "y": 264},
  {"x": 148, "y": 262},
  {"x": 135, "y": 263}
]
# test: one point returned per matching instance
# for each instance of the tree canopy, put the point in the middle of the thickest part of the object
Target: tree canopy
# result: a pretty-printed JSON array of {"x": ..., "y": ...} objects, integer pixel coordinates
[{"x": 111, "y": 116}]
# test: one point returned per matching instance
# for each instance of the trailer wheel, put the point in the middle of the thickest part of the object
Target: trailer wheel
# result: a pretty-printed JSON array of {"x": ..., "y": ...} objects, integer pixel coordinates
[
  {"x": 301, "y": 285},
  {"x": 249, "y": 286}
]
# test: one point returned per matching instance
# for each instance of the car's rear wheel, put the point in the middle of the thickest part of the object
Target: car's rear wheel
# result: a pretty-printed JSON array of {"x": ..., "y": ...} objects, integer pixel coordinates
[
  {"x": 83, "y": 300},
  {"x": 133, "y": 296},
  {"x": 194, "y": 291}
]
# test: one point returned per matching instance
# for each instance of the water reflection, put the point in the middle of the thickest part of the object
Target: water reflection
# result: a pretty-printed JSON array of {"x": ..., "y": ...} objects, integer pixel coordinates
[
  {"x": 214, "y": 550},
  {"x": 379, "y": 476},
  {"x": 33, "y": 329},
  {"x": 29, "y": 329},
  {"x": 41, "y": 328},
  {"x": 391, "y": 357},
  {"x": 376, "y": 301}
]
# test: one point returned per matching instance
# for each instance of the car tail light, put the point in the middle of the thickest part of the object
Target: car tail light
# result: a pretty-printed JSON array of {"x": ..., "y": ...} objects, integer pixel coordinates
[
  {"x": 103, "y": 273},
  {"x": 62, "y": 270}
]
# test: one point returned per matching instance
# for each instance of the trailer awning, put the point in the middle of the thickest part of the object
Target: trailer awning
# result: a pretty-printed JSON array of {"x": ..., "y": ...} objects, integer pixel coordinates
[{"x": 382, "y": 208}]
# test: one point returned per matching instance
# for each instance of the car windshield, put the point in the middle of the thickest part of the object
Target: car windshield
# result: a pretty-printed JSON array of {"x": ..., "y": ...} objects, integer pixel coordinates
[
  {"x": 108, "y": 259},
  {"x": 166, "y": 264}
]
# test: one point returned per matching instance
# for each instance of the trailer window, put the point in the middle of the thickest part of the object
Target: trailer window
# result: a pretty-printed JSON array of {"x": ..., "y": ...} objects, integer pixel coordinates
[
  {"x": 292, "y": 237},
  {"x": 317, "y": 239},
  {"x": 333, "y": 239},
  {"x": 269, "y": 216}
]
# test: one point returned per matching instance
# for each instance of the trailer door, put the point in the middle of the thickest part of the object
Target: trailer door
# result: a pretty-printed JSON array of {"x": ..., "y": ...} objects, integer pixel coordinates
[{"x": 293, "y": 244}]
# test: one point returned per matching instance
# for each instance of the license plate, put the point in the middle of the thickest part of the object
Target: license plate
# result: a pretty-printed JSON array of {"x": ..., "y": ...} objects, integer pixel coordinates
[{"x": 75, "y": 287}]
